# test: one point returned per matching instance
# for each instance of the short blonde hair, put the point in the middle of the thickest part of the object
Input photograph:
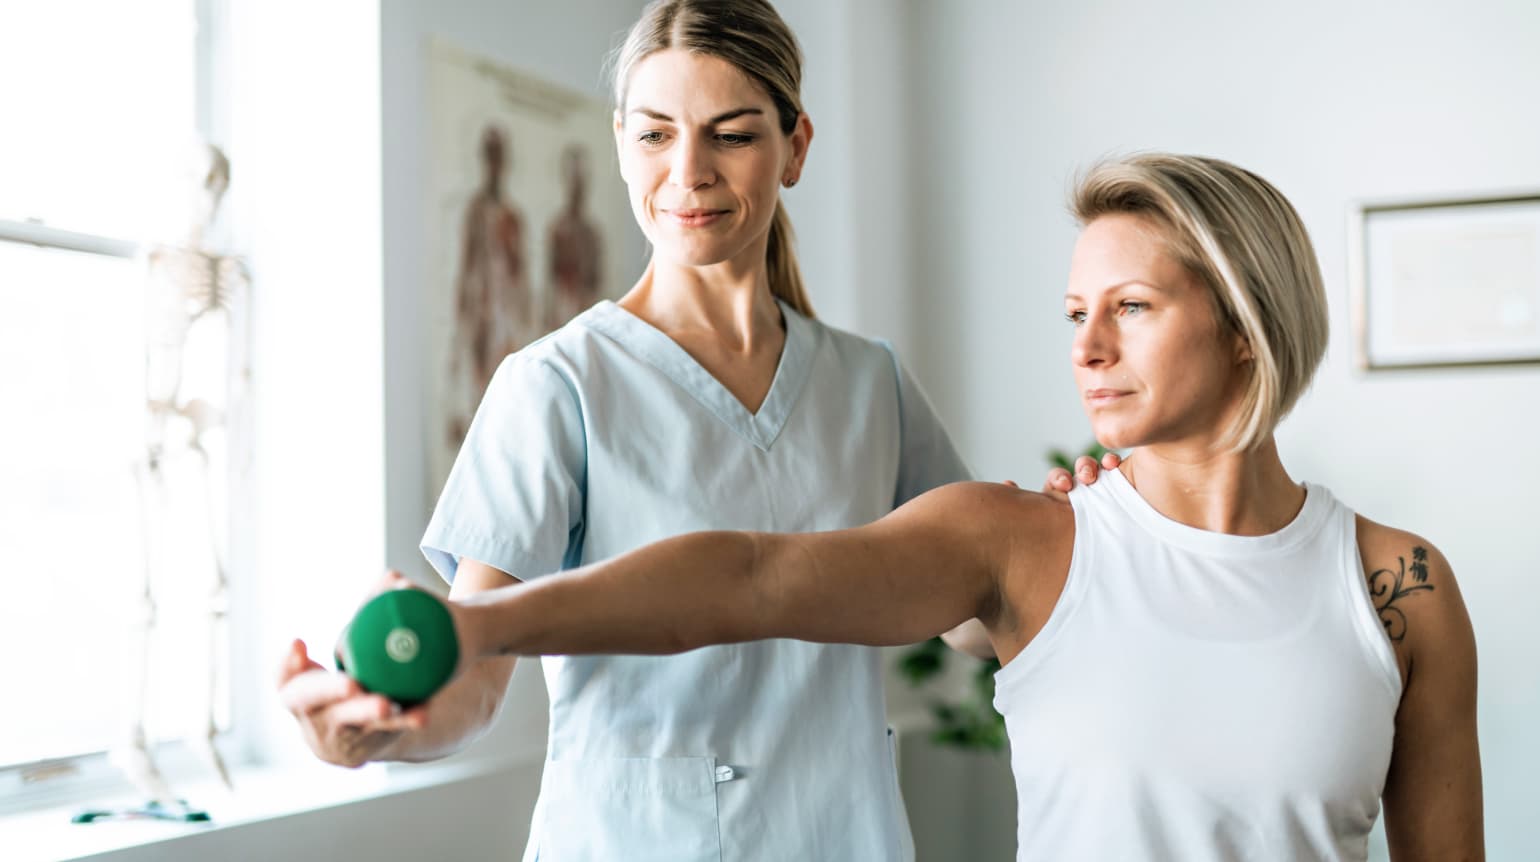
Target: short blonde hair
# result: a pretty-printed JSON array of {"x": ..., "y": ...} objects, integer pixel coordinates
[{"x": 1237, "y": 233}]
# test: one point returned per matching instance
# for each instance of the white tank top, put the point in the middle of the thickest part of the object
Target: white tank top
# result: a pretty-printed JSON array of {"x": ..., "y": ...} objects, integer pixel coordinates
[{"x": 1199, "y": 696}]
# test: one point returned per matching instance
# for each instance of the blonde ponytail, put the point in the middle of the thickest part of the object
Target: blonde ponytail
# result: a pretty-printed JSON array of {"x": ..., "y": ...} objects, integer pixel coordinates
[{"x": 781, "y": 262}]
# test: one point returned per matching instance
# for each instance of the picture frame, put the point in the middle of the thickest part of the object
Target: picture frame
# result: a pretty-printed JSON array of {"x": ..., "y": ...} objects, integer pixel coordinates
[{"x": 1446, "y": 282}]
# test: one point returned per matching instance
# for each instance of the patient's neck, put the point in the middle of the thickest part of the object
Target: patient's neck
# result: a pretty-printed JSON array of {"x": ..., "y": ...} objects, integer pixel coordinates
[{"x": 1241, "y": 493}]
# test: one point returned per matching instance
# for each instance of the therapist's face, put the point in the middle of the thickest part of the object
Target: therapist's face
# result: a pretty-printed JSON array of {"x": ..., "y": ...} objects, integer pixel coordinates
[
  {"x": 703, "y": 156},
  {"x": 1152, "y": 361}
]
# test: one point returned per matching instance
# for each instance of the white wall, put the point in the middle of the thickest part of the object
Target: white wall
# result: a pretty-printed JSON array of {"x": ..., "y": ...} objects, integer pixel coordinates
[
  {"x": 851, "y": 208},
  {"x": 1330, "y": 101}
]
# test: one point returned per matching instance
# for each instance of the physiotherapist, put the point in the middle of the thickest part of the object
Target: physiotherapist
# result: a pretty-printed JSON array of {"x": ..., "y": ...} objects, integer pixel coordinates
[{"x": 707, "y": 397}]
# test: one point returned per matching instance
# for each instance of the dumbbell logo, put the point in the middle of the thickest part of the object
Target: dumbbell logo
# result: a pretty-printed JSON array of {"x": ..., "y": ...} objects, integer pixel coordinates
[{"x": 401, "y": 645}]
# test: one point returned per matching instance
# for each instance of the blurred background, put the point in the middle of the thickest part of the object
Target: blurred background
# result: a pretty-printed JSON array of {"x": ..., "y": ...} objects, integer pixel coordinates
[{"x": 932, "y": 213}]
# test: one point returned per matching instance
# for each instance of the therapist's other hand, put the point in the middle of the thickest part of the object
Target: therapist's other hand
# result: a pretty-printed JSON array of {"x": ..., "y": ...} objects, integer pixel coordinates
[
  {"x": 1087, "y": 471},
  {"x": 341, "y": 723}
]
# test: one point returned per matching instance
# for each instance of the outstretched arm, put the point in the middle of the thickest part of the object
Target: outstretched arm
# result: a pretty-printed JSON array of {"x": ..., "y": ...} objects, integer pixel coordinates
[{"x": 923, "y": 569}]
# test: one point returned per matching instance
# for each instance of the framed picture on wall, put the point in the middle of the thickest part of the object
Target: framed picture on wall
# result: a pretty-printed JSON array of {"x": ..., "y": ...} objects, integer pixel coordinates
[{"x": 1446, "y": 282}]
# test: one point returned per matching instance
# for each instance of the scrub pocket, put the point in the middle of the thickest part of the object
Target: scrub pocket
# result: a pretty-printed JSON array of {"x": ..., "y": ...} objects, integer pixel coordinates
[{"x": 637, "y": 809}]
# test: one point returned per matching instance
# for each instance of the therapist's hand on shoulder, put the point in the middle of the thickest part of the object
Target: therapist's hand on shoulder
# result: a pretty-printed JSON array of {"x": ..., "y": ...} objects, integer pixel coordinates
[
  {"x": 1087, "y": 471},
  {"x": 340, "y": 722}
]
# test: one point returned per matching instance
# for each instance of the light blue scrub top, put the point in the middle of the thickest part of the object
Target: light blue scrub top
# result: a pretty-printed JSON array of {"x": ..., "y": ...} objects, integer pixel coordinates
[{"x": 607, "y": 435}]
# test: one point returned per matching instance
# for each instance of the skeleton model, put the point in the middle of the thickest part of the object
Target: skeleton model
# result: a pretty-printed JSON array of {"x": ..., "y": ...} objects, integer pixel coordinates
[{"x": 195, "y": 372}]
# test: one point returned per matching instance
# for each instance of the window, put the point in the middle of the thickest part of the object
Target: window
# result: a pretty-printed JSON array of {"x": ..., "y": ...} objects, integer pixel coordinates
[{"x": 93, "y": 173}]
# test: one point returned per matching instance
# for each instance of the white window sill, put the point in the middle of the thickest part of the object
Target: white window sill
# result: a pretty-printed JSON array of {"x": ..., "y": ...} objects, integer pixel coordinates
[{"x": 263, "y": 794}]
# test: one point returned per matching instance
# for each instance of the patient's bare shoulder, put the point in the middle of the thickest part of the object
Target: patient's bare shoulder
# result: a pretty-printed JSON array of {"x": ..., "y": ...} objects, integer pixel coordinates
[
  {"x": 1008, "y": 519},
  {"x": 1414, "y": 593},
  {"x": 1034, "y": 537}
]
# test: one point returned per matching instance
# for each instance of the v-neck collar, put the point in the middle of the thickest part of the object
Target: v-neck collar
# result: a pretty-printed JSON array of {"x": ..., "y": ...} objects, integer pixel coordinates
[{"x": 649, "y": 344}]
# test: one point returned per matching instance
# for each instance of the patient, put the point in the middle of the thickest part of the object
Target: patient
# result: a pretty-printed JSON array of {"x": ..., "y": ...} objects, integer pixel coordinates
[{"x": 1204, "y": 659}]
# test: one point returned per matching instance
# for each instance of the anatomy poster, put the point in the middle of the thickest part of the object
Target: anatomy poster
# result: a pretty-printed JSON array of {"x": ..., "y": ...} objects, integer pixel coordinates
[{"x": 526, "y": 218}]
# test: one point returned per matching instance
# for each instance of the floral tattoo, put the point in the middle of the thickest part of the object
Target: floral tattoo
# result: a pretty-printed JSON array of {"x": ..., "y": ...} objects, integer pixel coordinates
[{"x": 1385, "y": 592}]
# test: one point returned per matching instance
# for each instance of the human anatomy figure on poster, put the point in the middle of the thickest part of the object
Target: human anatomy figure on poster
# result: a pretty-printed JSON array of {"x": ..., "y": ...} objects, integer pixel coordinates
[
  {"x": 576, "y": 246},
  {"x": 493, "y": 307}
]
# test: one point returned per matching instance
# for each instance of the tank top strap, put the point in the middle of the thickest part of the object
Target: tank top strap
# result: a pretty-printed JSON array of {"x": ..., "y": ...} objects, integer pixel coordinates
[{"x": 1358, "y": 604}]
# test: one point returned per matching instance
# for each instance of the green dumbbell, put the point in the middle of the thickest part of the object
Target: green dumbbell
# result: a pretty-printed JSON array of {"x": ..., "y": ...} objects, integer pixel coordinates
[{"x": 401, "y": 644}]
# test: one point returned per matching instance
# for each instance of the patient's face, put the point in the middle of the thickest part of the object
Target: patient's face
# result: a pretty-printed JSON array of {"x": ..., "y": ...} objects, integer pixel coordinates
[{"x": 1151, "y": 360}]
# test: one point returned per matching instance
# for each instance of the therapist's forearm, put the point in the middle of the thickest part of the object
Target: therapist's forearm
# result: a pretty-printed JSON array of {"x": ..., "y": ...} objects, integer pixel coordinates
[{"x": 673, "y": 596}]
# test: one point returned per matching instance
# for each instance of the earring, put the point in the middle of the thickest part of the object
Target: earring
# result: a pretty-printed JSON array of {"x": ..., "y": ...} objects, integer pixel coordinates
[{"x": 791, "y": 182}]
